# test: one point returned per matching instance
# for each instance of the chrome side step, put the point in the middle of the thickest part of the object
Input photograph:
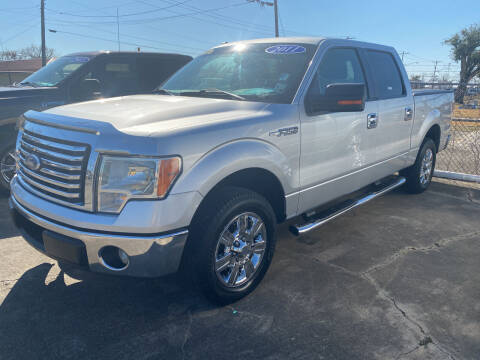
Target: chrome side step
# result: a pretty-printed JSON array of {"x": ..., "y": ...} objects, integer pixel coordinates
[{"x": 346, "y": 206}]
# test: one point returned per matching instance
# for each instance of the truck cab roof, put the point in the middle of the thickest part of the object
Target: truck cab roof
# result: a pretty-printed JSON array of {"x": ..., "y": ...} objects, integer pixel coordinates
[{"x": 109, "y": 52}]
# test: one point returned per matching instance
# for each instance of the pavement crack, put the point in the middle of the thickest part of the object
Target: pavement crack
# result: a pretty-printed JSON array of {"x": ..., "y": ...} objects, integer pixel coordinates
[
  {"x": 470, "y": 197},
  {"x": 383, "y": 293},
  {"x": 399, "y": 356},
  {"x": 406, "y": 250},
  {"x": 187, "y": 333},
  {"x": 443, "y": 351}
]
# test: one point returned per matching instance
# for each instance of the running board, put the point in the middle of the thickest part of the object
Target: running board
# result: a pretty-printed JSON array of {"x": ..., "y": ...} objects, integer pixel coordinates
[{"x": 345, "y": 207}]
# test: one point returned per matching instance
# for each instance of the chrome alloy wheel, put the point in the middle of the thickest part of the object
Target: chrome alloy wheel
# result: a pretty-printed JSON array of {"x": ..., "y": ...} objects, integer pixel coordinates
[
  {"x": 240, "y": 249},
  {"x": 8, "y": 166},
  {"x": 426, "y": 167}
]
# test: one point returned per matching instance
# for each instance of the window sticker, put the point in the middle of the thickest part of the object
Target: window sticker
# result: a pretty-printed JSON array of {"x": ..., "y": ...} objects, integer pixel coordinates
[
  {"x": 81, "y": 59},
  {"x": 285, "y": 49}
]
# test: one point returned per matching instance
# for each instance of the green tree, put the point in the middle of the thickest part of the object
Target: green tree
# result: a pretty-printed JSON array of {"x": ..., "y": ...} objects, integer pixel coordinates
[{"x": 466, "y": 49}]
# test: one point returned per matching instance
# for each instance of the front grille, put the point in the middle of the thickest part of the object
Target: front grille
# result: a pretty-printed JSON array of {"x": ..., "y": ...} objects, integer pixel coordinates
[{"x": 57, "y": 168}]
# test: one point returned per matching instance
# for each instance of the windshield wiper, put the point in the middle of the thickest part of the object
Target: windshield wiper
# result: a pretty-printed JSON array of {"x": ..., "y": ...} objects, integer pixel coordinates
[
  {"x": 28, "y": 83},
  {"x": 163, "y": 91},
  {"x": 217, "y": 92},
  {"x": 223, "y": 92}
]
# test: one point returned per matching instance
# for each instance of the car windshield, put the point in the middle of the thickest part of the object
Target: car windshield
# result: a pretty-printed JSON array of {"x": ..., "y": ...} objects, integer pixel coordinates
[
  {"x": 266, "y": 72},
  {"x": 56, "y": 71}
]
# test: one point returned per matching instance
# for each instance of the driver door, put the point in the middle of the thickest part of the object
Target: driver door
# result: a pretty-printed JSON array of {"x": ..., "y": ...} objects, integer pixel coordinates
[{"x": 335, "y": 146}]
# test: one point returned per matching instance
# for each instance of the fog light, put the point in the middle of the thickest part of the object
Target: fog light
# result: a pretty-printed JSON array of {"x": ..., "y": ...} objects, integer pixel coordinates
[{"x": 113, "y": 258}]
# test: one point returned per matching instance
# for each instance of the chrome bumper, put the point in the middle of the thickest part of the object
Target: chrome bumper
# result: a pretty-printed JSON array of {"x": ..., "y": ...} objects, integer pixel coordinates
[{"x": 148, "y": 255}]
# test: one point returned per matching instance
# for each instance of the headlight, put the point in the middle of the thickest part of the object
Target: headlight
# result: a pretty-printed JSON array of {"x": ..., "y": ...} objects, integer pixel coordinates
[{"x": 124, "y": 178}]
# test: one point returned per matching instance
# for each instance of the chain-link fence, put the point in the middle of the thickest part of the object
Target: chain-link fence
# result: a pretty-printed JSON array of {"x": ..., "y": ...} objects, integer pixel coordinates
[{"x": 463, "y": 152}]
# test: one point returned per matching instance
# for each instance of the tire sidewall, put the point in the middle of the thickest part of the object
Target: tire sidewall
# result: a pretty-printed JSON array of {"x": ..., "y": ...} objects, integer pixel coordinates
[
  {"x": 218, "y": 222},
  {"x": 427, "y": 144}
]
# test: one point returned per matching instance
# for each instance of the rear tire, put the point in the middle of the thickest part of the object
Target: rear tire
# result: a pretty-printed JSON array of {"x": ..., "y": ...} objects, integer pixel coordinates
[
  {"x": 419, "y": 175},
  {"x": 7, "y": 165},
  {"x": 231, "y": 244}
]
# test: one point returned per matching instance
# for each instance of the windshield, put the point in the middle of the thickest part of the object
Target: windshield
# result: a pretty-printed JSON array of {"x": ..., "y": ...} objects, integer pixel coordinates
[
  {"x": 56, "y": 71},
  {"x": 266, "y": 72}
]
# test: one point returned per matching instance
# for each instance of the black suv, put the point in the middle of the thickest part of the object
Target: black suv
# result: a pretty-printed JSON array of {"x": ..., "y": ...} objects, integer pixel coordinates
[{"x": 74, "y": 78}]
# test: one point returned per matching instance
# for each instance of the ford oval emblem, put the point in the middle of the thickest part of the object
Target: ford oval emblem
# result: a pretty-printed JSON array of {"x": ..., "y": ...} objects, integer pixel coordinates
[{"x": 32, "y": 162}]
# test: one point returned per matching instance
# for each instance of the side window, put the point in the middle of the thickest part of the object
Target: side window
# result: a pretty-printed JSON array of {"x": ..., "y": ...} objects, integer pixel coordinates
[
  {"x": 387, "y": 78},
  {"x": 339, "y": 65},
  {"x": 119, "y": 77}
]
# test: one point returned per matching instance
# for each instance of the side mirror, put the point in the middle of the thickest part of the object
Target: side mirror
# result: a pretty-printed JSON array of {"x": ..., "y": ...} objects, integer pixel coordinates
[
  {"x": 337, "y": 98},
  {"x": 90, "y": 89}
]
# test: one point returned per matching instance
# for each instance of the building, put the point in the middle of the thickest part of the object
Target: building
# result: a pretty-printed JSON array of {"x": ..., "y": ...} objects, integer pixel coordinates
[{"x": 16, "y": 70}]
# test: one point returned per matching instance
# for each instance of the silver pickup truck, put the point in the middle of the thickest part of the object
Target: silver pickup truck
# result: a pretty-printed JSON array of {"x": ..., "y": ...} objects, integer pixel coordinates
[{"x": 196, "y": 176}]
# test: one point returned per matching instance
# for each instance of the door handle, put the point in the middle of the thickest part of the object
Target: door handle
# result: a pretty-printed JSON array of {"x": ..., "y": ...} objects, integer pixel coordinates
[
  {"x": 408, "y": 114},
  {"x": 372, "y": 121}
]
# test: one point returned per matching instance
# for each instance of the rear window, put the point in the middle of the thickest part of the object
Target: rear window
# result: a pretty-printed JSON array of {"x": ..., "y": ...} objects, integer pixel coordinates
[{"x": 386, "y": 75}]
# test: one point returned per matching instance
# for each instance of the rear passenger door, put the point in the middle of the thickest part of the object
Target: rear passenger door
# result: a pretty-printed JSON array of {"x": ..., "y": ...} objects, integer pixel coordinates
[{"x": 395, "y": 107}]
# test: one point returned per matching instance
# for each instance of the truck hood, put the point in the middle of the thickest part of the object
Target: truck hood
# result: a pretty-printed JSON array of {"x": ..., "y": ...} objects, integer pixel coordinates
[
  {"x": 14, "y": 101},
  {"x": 147, "y": 115},
  {"x": 8, "y": 92}
]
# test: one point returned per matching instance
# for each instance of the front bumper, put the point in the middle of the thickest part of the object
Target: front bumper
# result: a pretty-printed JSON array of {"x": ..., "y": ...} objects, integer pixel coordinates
[{"x": 148, "y": 255}]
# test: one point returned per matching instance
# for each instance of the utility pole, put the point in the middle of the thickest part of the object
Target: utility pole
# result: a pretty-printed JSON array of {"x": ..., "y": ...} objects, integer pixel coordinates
[
  {"x": 403, "y": 54},
  {"x": 275, "y": 8},
  {"x": 42, "y": 16},
  {"x": 118, "y": 31},
  {"x": 434, "y": 72}
]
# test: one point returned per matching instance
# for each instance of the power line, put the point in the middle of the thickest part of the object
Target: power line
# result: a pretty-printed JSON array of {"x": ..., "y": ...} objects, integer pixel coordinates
[
  {"x": 210, "y": 21},
  {"x": 234, "y": 20},
  {"x": 145, "y": 20},
  {"x": 218, "y": 16},
  {"x": 103, "y": 39},
  {"x": 140, "y": 38},
  {"x": 22, "y": 32},
  {"x": 115, "y": 16},
  {"x": 62, "y": 23}
]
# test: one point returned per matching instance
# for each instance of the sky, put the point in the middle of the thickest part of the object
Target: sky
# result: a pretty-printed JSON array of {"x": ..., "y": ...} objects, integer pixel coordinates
[{"x": 416, "y": 27}]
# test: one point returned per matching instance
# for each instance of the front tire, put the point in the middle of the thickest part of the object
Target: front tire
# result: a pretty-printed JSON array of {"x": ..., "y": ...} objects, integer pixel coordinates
[
  {"x": 419, "y": 175},
  {"x": 7, "y": 165},
  {"x": 231, "y": 244}
]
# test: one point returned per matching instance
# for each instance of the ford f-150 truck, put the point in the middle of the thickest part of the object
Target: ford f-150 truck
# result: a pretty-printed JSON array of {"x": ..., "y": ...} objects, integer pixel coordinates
[
  {"x": 245, "y": 136},
  {"x": 74, "y": 78}
]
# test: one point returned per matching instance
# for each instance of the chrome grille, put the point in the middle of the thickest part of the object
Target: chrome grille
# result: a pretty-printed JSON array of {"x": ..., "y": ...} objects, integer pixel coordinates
[{"x": 59, "y": 170}]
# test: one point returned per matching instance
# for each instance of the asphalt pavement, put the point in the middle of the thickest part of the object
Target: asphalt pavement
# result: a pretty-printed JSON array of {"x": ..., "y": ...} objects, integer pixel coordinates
[{"x": 398, "y": 278}]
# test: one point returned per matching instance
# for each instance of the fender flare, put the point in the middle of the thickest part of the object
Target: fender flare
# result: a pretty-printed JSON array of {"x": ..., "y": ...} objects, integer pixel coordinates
[
  {"x": 234, "y": 156},
  {"x": 432, "y": 119}
]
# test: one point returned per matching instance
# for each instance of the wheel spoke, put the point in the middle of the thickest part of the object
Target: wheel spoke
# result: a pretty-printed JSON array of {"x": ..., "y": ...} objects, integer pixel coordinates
[
  {"x": 8, "y": 167},
  {"x": 227, "y": 238},
  {"x": 242, "y": 224},
  {"x": 222, "y": 263},
  {"x": 232, "y": 279},
  {"x": 249, "y": 269},
  {"x": 240, "y": 249},
  {"x": 259, "y": 247},
  {"x": 257, "y": 227}
]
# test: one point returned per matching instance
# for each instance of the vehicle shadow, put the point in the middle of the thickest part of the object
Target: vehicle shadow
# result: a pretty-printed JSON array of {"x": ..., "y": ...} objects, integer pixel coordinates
[
  {"x": 7, "y": 228},
  {"x": 43, "y": 316}
]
